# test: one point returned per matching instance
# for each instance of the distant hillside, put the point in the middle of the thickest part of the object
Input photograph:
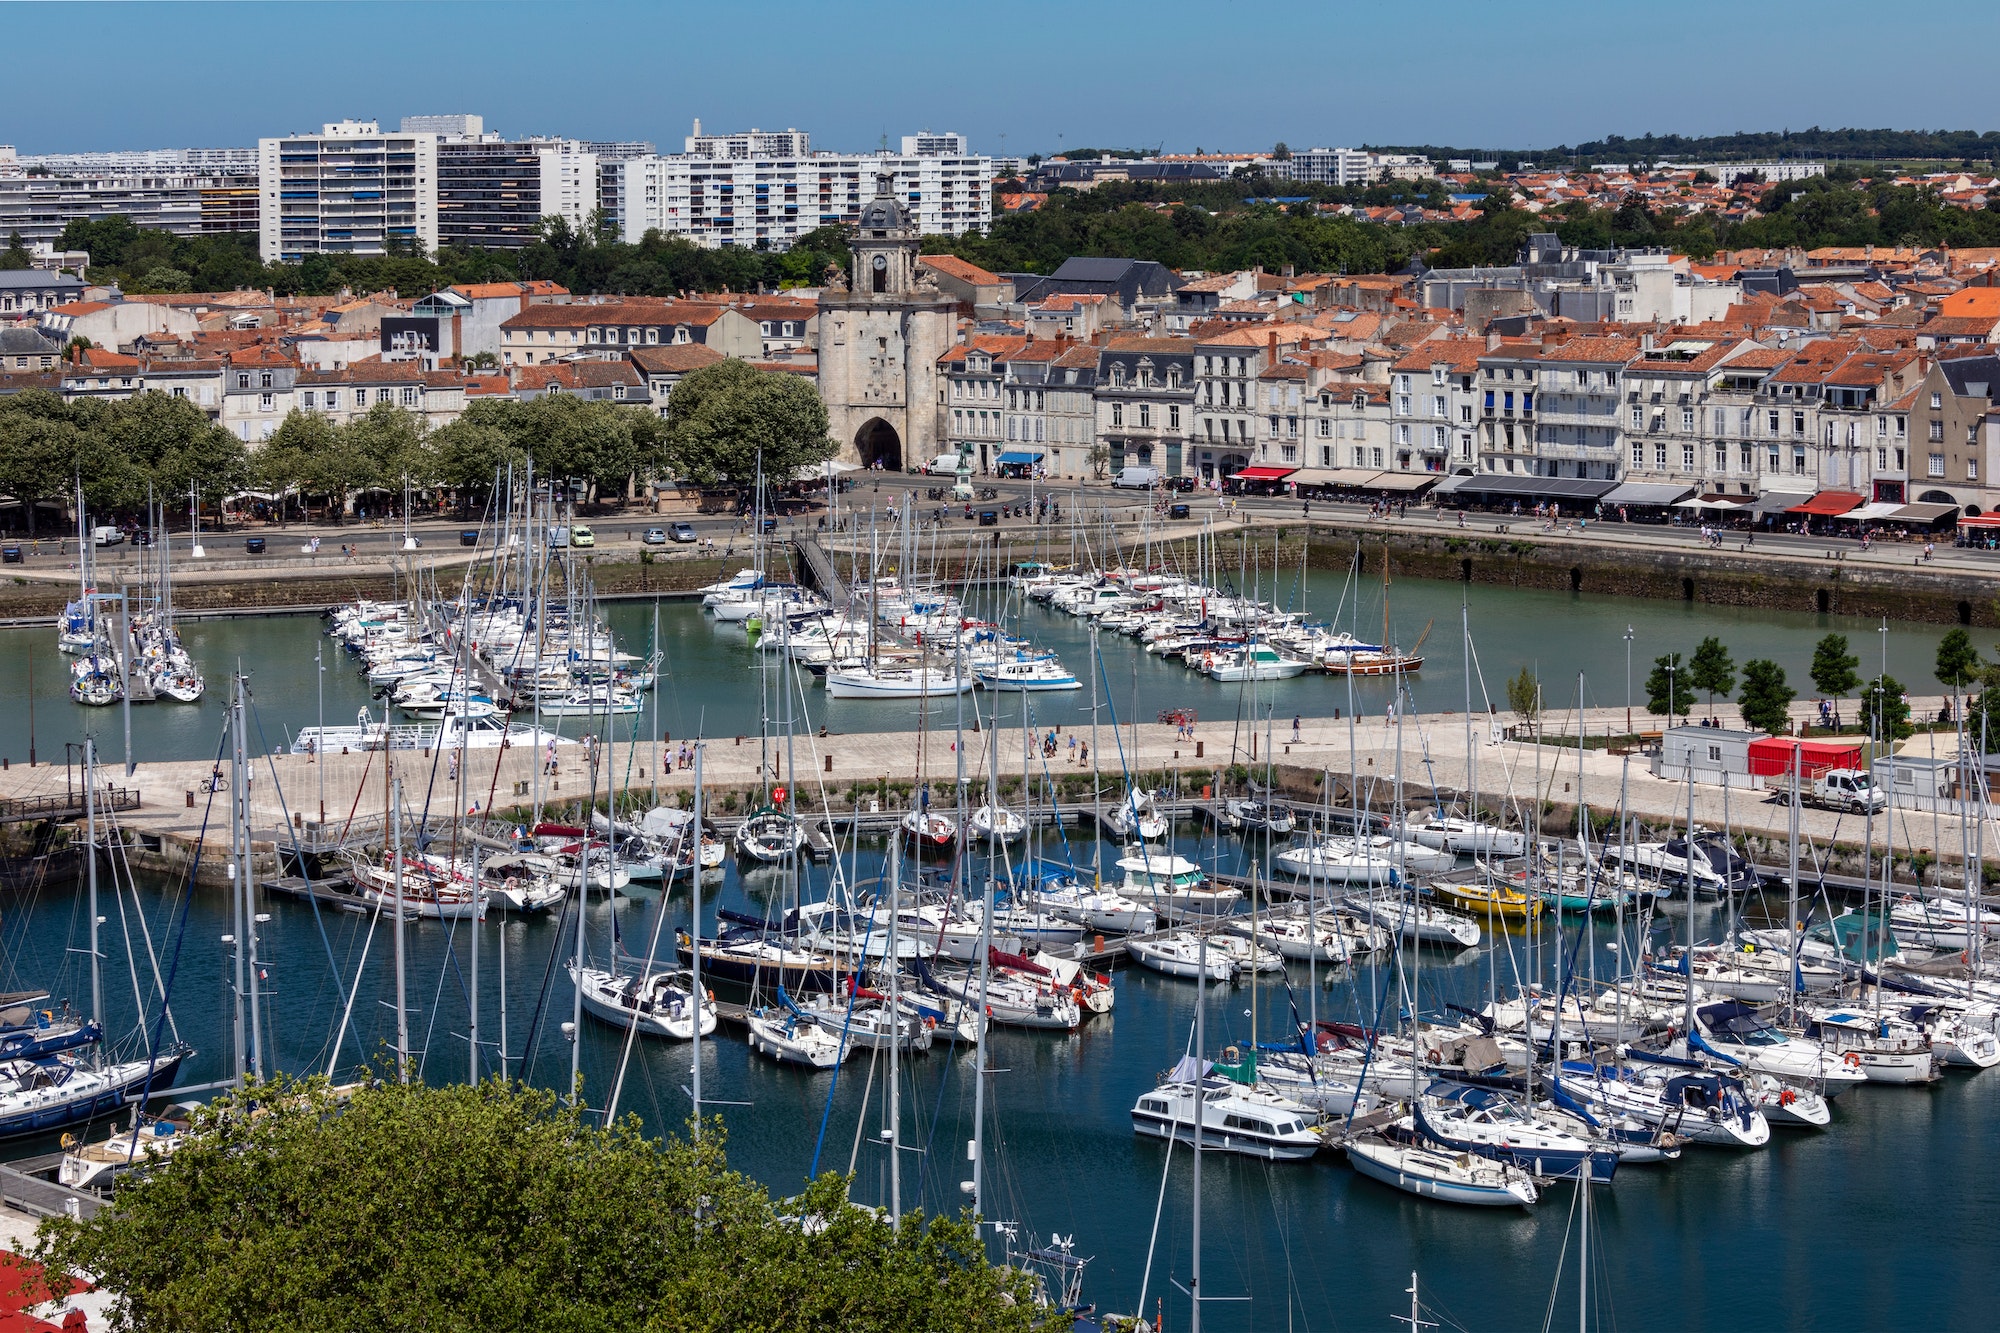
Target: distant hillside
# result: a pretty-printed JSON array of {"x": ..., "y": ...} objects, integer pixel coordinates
[{"x": 1866, "y": 145}]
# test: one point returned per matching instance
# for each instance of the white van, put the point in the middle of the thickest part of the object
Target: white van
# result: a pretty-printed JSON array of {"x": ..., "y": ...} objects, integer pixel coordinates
[
  {"x": 944, "y": 465},
  {"x": 1136, "y": 478},
  {"x": 107, "y": 537}
]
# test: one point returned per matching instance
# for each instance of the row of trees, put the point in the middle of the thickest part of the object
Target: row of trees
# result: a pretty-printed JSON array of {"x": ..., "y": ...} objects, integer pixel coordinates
[
  {"x": 495, "y": 1207},
  {"x": 720, "y": 418},
  {"x": 586, "y": 259}
]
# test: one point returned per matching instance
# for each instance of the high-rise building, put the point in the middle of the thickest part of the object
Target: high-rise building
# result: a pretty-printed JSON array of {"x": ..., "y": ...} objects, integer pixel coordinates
[
  {"x": 40, "y": 207},
  {"x": 1327, "y": 166},
  {"x": 446, "y": 127},
  {"x": 147, "y": 162},
  {"x": 768, "y": 201},
  {"x": 927, "y": 144},
  {"x": 611, "y": 154},
  {"x": 494, "y": 193},
  {"x": 753, "y": 143},
  {"x": 350, "y": 189}
]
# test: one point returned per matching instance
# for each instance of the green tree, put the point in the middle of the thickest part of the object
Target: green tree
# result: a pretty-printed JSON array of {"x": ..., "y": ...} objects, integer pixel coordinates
[
  {"x": 1766, "y": 697},
  {"x": 471, "y": 454},
  {"x": 1888, "y": 708},
  {"x": 1667, "y": 685},
  {"x": 1957, "y": 661},
  {"x": 1835, "y": 670},
  {"x": 15, "y": 256},
  {"x": 1711, "y": 670},
  {"x": 723, "y": 417},
  {"x": 38, "y": 448},
  {"x": 1280, "y": 152},
  {"x": 496, "y": 1207},
  {"x": 1524, "y": 696}
]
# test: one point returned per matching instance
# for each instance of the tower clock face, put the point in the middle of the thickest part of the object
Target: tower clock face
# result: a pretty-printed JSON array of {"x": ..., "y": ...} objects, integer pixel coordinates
[{"x": 881, "y": 261}]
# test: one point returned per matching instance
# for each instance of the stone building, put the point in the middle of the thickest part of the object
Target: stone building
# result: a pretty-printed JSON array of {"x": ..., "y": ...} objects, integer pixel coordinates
[{"x": 880, "y": 339}]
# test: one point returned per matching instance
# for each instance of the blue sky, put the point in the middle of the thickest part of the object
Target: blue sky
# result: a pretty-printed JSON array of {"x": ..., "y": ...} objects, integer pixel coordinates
[{"x": 1020, "y": 77}]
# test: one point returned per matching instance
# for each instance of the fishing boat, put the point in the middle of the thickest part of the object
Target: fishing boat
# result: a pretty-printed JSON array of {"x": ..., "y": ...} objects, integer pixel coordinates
[
  {"x": 1256, "y": 661},
  {"x": 659, "y": 1005},
  {"x": 1030, "y": 673}
]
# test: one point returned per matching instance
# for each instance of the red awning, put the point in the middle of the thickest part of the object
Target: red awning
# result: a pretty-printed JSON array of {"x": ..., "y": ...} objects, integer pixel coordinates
[
  {"x": 1262, "y": 474},
  {"x": 1980, "y": 521},
  {"x": 1829, "y": 504}
]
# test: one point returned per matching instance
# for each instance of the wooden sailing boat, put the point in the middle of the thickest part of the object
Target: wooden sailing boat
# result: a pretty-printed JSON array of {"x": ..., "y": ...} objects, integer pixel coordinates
[{"x": 1388, "y": 660}]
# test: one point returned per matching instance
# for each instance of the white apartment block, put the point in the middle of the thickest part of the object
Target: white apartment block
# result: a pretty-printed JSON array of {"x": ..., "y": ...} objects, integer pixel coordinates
[
  {"x": 146, "y": 161},
  {"x": 927, "y": 144},
  {"x": 767, "y": 203},
  {"x": 348, "y": 190},
  {"x": 1327, "y": 166},
  {"x": 750, "y": 143}
]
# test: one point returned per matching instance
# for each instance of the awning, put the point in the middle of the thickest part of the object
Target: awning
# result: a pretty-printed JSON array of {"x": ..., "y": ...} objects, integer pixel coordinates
[
  {"x": 1980, "y": 521},
  {"x": 818, "y": 471},
  {"x": 1022, "y": 456},
  {"x": 1410, "y": 482},
  {"x": 1263, "y": 474},
  {"x": 1648, "y": 493},
  {"x": 1922, "y": 513},
  {"x": 1456, "y": 482},
  {"x": 1347, "y": 476},
  {"x": 1829, "y": 504},
  {"x": 1779, "y": 502},
  {"x": 1870, "y": 513},
  {"x": 1710, "y": 504},
  {"x": 1525, "y": 488}
]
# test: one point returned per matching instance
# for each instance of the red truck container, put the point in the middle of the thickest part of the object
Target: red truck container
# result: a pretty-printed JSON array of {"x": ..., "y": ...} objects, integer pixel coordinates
[{"x": 1773, "y": 757}]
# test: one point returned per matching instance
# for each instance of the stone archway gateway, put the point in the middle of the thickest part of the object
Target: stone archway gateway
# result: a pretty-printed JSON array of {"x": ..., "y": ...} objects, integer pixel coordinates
[{"x": 877, "y": 442}]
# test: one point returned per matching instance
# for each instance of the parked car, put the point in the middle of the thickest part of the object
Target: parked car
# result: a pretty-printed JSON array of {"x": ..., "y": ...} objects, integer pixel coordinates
[
  {"x": 582, "y": 536},
  {"x": 944, "y": 465},
  {"x": 1182, "y": 484},
  {"x": 683, "y": 533},
  {"x": 468, "y": 537},
  {"x": 11, "y": 555},
  {"x": 655, "y": 537}
]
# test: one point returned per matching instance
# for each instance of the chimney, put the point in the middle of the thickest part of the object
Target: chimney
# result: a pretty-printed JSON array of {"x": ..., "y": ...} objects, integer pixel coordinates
[{"x": 1271, "y": 345}]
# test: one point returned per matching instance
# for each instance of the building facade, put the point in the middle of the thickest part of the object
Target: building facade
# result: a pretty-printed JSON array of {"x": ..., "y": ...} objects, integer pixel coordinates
[
  {"x": 494, "y": 193},
  {"x": 348, "y": 190},
  {"x": 40, "y": 207}
]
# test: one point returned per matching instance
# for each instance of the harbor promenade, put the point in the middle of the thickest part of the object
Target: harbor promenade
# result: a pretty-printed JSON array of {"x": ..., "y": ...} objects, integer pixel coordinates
[{"x": 338, "y": 797}]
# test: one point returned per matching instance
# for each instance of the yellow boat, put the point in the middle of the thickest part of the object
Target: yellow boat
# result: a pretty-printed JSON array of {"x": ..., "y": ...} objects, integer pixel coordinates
[{"x": 1491, "y": 899}]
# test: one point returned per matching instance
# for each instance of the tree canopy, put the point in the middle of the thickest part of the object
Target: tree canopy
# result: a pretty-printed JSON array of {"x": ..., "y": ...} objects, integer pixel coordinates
[
  {"x": 1957, "y": 660},
  {"x": 495, "y": 1207},
  {"x": 1668, "y": 687},
  {"x": 116, "y": 449},
  {"x": 1766, "y": 697},
  {"x": 1711, "y": 670},
  {"x": 1889, "y": 708},
  {"x": 724, "y": 417},
  {"x": 1834, "y": 669}
]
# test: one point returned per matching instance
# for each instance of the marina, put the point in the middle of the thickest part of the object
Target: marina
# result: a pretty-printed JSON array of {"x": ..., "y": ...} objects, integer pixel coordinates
[{"x": 1394, "y": 973}]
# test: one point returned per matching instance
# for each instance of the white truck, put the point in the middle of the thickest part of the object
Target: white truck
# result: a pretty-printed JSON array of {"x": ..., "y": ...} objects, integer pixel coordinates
[{"x": 1845, "y": 789}]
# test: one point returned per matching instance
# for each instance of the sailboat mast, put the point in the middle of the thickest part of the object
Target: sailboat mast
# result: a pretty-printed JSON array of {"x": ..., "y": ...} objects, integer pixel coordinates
[
  {"x": 1200, "y": 1057},
  {"x": 246, "y": 878},
  {"x": 472, "y": 1018},
  {"x": 90, "y": 852},
  {"x": 978, "y": 1146},
  {"x": 1096, "y": 784},
  {"x": 892, "y": 1134},
  {"x": 694, "y": 936},
  {"x": 402, "y": 999}
]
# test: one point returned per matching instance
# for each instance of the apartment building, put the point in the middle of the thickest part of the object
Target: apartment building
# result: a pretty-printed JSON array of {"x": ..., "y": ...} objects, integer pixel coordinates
[
  {"x": 1232, "y": 417},
  {"x": 185, "y": 204},
  {"x": 1145, "y": 400},
  {"x": 608, "y": 329},
  {"x": 1554, "y": 410},
  {"x": 972, "y": 382},
  {"x": 1948, "y": 412},
  {"x": 29, "y": 291},
  {"x": 1327, "y": 166},
  {"x": 1435, "y": 404},
  {"x": 768, "y": 202},
  {"x": 350, "y": 189},
  {"x": 436, "y": 396},
  {"x": 494, "y": 192},
  {"x": 259, "y": 389}
]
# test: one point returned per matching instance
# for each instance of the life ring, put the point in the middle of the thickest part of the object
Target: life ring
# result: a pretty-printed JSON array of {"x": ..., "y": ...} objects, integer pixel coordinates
[
  {"x": 1787, "y": 1097},
  {"x": 1852, "y": 1060},
  {"x": 1434, "y": 1055},
  {"x": 1231, "y": 1054},
  {"x": 68, "y": 1141},
  {"x": 1076, "y": 994}
]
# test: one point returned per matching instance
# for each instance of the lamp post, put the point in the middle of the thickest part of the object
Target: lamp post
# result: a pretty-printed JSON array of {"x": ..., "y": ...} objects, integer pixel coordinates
[
  {"x": 1670, "y": 689},
  {"x": 1628, "y": 680}
]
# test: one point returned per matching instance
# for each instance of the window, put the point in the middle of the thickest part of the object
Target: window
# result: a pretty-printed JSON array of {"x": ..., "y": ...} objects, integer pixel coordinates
[
  {"x": 1747, "y": 458},
  {"x": 1173, "y": 416},
  {"x": 1325, "y": 428},
  {"x": 1798, "y": 423},
  {"x": 1687, "y": 418},
  {"x": 266, "y": 401},
  {"x": 1798, "y": 461},
  {"x": 264, "y": 380},
  {"x": 1937, "y": 402},
  {"x": 1403, "y": 404},
  {"x": 1937, "y": 465},
  {"x": 1721, "y": 421},
  {"x": 1438, "y": 438},
  {"x": 1972, "y": 469},
  {"x": 1438, "y": 407},
  {"x": 1289, "y": 452},
  {"x": 242, "y": 381},
  {"x": 1771, "y": 421},
  {"x": 1773, "y": 459},
  {"x": 1881, "y": 427},
  {"x": 381, "y": 395},
  {"x": 617, "y": 391},
  {"x": 1145, "y": 412},
  {"x": 1687, "y": 457},
  {"x": 1402, "y": 384},
  {"x": 1638, "y": 453},
  {"x": 1881, "y": 459},
  {"x": 180, "y": 391},
  {"x": 361, "y": 397},
  {"x": 1326, "y": 455},
  {"x": 1402, "y": 435},
  {"x": 410, "y": 396},
  {"x": 1660, "y": 455},
  {"x": 1376, "y": 456},
  {"x": 1902, "y": 427},
  {"x": 1360, "y": 456},
  {"x": 1722, "y": 458},
  {"x": 1437, "y": 374},
  {"x": 1937, "y": 431},
  {"x": 306, "y": 397},
  {"x": 1118, "y": 414},
  {"x": 1638, "y": 417},
  {"x": 1465, "y": 412}
]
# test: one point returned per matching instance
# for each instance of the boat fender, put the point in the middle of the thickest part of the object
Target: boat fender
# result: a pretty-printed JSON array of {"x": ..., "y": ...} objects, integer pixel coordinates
[
  {"x": 711, "y": 993},
  {"x": 68, "y": 1141}
]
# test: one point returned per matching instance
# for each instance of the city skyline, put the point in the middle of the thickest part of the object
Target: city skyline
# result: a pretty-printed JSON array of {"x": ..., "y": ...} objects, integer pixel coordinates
[{"x": 852, "y": 77}]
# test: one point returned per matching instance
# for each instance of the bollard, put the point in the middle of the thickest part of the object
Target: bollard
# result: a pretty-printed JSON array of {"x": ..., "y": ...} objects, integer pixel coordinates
[
  {"x": 1097, "y": 944},
  {"x": 829, "y": 763},
  {"x": 1198, "y": 745},
  {"x": 298, "y": 819},
  {"x": 190, "y": 798}
]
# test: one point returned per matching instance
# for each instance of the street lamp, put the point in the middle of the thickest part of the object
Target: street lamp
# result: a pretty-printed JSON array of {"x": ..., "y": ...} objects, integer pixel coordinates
[
  {"x": 1628, "y": 680},
  {"x": 1670, "y": 689}
]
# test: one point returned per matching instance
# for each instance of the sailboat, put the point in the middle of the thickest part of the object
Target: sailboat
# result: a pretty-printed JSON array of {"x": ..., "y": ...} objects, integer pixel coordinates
[{"x": 659, "y": 1004}]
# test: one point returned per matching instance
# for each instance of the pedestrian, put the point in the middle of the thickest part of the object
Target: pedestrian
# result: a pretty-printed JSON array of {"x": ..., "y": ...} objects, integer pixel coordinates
[
  {"x": 549, "y": 764},
  {"x": 1389, "y": 718},
  {"x": 1295, "y": 728},
  {"x": 451, "y": 774},
  {"x": 1072, "y": 747},
  {"x": 1083, "y": 754}
]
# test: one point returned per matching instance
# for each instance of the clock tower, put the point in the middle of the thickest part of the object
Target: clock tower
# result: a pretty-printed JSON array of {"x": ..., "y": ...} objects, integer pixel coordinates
[{"x": 880, "y": 339}]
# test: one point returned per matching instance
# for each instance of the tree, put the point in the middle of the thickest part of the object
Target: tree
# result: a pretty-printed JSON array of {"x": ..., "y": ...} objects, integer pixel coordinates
[
  {"x": 1834, "y": 670},
  {"x": 722, "y": 418},
  {"x": 38, "y": 448},
  {"x": 1524, "y": 696},
  {"x": 15, "y": 256},
  {"x": 1711, "y": 670},
  {"x": 1668, "y": 687},
  {"x": 1888, "y": 708},
  {"x": 1766, "y": 697},
  {"x": 1280, "y": 152},
  {"x": 1957, "y": 660},
  {"x": 497, "y": 1207},
  {"x": 1099, "y": 458}
]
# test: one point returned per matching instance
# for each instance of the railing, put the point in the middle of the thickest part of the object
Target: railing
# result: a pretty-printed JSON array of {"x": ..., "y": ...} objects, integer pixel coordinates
[{"x": 61, "y": 805}]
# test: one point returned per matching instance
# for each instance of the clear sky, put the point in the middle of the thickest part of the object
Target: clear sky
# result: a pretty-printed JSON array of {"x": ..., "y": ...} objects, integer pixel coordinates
[{"x": 1218, "y": 74}]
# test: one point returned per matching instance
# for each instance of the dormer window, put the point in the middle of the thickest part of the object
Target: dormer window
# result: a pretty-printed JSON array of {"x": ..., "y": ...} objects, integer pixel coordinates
[{"x": 1118, "y": 375}]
